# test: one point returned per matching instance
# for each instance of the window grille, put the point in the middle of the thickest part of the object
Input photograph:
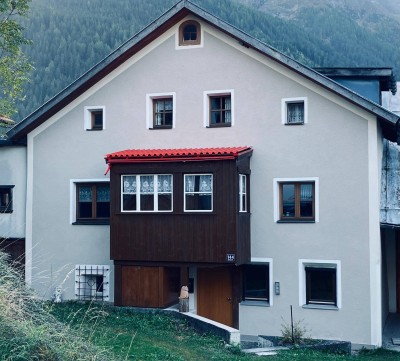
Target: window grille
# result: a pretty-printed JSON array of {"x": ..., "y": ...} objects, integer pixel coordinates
[{"x": 92, "y": 282}]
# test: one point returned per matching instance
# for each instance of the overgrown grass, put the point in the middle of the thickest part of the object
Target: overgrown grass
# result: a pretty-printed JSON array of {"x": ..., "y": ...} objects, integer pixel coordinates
[
  {"x": 134, "y": 335},
  {"x": 29, "y": 332}
]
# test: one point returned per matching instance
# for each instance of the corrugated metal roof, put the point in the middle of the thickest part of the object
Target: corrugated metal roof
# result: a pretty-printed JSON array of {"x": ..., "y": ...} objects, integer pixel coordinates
[{"x": 178, "y": 154}]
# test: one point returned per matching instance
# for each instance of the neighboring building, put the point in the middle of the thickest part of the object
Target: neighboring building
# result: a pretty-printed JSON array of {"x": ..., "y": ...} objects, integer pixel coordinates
[{"x": 230, "y": 167}]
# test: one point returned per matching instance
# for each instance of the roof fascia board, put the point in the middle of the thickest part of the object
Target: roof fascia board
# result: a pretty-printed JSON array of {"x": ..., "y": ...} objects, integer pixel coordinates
[{"x": 145, "y": 36}]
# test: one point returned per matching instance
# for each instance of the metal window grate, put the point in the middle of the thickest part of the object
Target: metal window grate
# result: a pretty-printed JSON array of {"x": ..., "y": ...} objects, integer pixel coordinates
[{"x": 92, "y": 282}]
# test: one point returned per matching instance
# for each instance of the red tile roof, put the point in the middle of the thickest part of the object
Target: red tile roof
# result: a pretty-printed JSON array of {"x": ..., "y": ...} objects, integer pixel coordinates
[{"x": 173, "y": 155}]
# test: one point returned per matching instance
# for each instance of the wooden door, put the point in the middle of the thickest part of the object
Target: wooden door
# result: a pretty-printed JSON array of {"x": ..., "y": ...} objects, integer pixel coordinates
[{"x": 214, "y": 294}]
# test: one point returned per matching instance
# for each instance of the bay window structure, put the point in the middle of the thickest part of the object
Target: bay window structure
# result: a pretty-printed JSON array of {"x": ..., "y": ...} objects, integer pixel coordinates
[
  {"x": 92, "y": 202},
  {"x": 198, "y": 190},
  {"x": 146, "y": 193},
  {"x": 6, "y": 198}
]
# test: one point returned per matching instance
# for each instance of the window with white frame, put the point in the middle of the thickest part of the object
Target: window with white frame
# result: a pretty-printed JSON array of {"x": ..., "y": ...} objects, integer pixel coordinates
[
  {"x": 95, "y": 117},
  {"x": 242, "y": 193},
  {"x": 146, "y": 193},
  {"x": 296, "y": 199},
  {"x": 92, "y": 282},
  {"x": 160, "y": 113},
  {"x": 320, "y": 283},
  {"x": 294, "y": 111},
  {"x": 198, "y": 192},
  {"x": 218, "y": 108}
]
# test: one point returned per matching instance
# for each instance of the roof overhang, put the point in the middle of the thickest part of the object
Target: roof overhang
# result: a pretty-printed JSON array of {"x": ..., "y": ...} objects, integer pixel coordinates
[{"x": 161, "y": 24}]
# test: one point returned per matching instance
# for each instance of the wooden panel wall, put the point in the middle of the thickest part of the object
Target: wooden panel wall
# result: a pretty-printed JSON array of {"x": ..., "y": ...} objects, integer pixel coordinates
[{"x": 180, "y": 236}]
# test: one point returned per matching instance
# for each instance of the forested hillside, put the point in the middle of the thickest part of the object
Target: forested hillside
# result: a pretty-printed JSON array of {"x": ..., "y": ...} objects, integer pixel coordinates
[{"x": 71, "y": 36}]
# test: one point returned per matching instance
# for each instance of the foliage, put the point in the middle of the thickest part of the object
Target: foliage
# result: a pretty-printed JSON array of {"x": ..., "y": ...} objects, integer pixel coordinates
[
  {"x": 294, "y": 336},
  {"x": 29, "y": 332},
  {"x": 71, "y": 36},
  {"x": 14, "y": 66}
]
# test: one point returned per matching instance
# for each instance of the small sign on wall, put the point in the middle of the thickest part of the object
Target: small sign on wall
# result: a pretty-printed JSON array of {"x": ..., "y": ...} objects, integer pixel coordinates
[{"x": 230, "y": 257}]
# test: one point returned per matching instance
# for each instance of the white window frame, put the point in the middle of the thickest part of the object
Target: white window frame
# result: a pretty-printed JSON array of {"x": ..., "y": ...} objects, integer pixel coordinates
[
  {"x": 336, "y": 264},
  {"x": 277, "y": 181},
  {"x": 242, "y": 178},
  {"x": 93, "y": 270},
  {"x": 149, "y": 108},
  {"x": 184, "y": 193},
  {"x": 284, "y": 109},
  {"x": 263, "y": 261},
  {"x": 206, "y": 105},
  {"x": 88, "y": 116},
  {"x": 155, "y": 193},
  {"x": 72, "y": 194}
]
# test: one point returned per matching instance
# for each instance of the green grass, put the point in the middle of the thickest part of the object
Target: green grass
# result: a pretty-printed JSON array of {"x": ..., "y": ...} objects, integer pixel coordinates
[{"x": 133, "y": 335}]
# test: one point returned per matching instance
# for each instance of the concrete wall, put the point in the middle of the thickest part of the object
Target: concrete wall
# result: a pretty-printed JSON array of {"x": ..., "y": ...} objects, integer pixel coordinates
[
  {"x": 13, "y": 172},
  {"x": 333, "y": 146}
]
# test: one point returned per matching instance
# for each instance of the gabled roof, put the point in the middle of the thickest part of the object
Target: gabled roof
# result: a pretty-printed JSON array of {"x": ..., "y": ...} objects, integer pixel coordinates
[
  {"x": 168, "y": 19},
  {"x": 174, "y": 155}
]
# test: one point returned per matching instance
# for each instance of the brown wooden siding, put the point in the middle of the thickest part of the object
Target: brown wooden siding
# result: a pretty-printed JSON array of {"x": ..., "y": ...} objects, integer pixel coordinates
[
  {"x": 15, "y": 249},
  {"x": 188, "y": 237},
  {"x": 140, "y": 286}
]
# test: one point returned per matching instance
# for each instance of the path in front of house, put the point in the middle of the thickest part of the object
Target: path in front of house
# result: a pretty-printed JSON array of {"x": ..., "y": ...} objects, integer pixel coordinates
[{"x": 391, "y": 332}]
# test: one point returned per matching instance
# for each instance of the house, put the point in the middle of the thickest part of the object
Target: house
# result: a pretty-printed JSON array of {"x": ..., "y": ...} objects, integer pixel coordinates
[{"x": 196, "y": 154}]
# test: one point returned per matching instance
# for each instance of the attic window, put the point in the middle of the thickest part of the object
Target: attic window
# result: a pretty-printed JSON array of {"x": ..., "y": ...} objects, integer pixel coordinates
[
  {"x": 95, "y": 118},
  {"x": 189, "y": 33}
]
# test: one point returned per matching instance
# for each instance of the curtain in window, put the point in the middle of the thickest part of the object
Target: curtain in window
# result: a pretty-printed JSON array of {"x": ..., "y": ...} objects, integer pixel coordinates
[
  {"x": 85, "y": 194},
  {"x": 129, "y": 184},
  {"x": 164, "y": 183},
  {"x": 205, "y": 184},
  {"x": 227, "y": 113},
  {"x": 295, "y": 113}
]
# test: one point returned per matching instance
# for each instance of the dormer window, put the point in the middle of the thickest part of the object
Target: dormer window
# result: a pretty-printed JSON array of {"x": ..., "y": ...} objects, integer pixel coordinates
[{"x": 189, "y": 33}]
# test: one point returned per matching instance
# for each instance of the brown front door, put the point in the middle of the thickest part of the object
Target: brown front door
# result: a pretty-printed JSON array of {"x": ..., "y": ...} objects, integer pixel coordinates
[{"x": 214, "y": 294}]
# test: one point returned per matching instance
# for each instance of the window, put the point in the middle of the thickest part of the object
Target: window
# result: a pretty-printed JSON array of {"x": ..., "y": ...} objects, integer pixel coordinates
[
  {"x": 198, "y": 192},
  {"x": 92, "y": 282},
  {"x": 95, "y": 118},
  {"x": 160, "y": 110},
  {"x": 189, "y": 33},
  {"x": 242, "y": 193},
  {"x": 256, "y": 282},
  {"x": 162, "y": 113},
  {"x": 92, "y": 202},
  {"x": 297, "y": 201},
  {"x": 146, "y": 193},
  {"x": 294, "y": 111},
  {"x": 320, "y": 284},
  {"x": 6, "y": 199},
  {"x": 218, "y": 108}
]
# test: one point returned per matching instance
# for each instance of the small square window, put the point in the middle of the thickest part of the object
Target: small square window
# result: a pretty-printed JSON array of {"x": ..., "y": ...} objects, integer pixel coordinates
[
  {"x": 242, "y": 193},
  {"x": 218, "y": 108},
  {"x": 92, "y": 282},
  {"x": 256, "y": 282},
  {"x": 297, "y": 201},
  {"x": 320, "y": 284},
  {"x": 95, "y": 118},
  {"x": 294, "y": 111},
  {"x": 92, "y": 202},
  {"x": 160, "y": 111},
  {"x": 6, "y": 199},
  {"x": 198, "y": 192}
]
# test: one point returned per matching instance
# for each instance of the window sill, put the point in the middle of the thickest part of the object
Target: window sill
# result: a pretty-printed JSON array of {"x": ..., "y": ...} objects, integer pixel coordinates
[
  {"x": 255, "y": 303},
  {"x": 5, "y": 211},
  {"x": 322, "y": 307},
  {"x": 161, "y": 127},
  {"x": 295, "y": 123},
  {"x": 100, "y": 222},
  {"x": 220, "y": 125},
  {"x": 295, "y": 221},
  {"x": 94, "y": 129}
]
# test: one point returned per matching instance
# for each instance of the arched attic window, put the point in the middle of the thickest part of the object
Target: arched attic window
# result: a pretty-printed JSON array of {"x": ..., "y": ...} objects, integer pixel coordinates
[{"x": 189, "y": 33}]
